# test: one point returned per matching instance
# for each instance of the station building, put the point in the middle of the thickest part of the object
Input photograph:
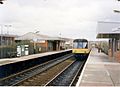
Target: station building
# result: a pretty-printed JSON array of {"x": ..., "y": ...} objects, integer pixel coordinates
[
  {"x": 6, "y": 39},
  {"x": 31, "y": 43},
  {"x": 41, "y": 43},
  {"x": 111, "y": 31}
]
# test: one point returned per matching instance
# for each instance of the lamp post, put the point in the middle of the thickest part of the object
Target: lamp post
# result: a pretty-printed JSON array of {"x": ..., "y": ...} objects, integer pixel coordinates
[
  {"x": 1, "y": 40},
  {"x": 60, "y": 47},
  {"x": 8, "y": 28}
]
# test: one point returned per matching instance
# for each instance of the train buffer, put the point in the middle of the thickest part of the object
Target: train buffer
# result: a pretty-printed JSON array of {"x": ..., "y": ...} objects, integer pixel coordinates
[{"x": 99, "y": 70}]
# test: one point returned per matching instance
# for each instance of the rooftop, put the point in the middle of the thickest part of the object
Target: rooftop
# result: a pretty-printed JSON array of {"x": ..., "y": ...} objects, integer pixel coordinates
[
  {"x": 35, "y": 36},
  {"x": 8, "y": 35}
]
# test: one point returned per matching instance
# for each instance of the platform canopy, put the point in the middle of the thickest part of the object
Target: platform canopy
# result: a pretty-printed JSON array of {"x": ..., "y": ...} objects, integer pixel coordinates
[
  {"x": 37, "y": 37},
  {"x": 108, "y": 29}
]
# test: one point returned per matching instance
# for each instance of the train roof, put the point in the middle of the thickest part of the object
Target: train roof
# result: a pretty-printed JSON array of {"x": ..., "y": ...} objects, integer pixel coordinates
[{"x": 80, "y": 40}]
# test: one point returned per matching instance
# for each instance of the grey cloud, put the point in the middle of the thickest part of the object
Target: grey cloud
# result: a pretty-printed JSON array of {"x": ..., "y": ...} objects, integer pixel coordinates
[{"x": 73, "y": 18}]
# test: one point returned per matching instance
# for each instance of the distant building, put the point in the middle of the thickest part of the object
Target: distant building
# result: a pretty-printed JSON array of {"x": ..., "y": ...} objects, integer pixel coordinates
[
  {"x": 111, "y": 31},
  {"x": 7, "y": 45},
  {"x": 68, "y": 43},
  {"x": 7, "y": 39}
]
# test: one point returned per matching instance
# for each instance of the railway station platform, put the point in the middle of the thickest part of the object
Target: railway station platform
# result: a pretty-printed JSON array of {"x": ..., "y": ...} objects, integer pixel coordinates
[
  {"x": 24, "y": 58},
  {"x": 99, "y": 70},
  {"x": 11, "y": 66}
]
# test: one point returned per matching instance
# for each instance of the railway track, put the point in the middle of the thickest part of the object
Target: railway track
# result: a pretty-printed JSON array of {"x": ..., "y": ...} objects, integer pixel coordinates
[
  {"x": 26, "y": 74},
  {"x": 44, "y": 77},
  {"x": 69, "y": 76}
]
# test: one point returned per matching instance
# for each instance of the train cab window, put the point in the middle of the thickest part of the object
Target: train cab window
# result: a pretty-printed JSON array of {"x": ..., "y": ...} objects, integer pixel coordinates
[
  {"x": 75, "y": 45},
  {"x": 85, "y": 44},
  {"x": 80, "y": 45}
]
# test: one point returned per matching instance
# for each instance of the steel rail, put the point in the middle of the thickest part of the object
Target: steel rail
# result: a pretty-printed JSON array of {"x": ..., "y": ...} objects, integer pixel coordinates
[
  {"x": 26, "y": 74},
  {"x": 43, "y": 69},
  {"x": 60, "y": 76},
  {"x": 76, "y": 76},
  {"x": 48, "y": 84}
]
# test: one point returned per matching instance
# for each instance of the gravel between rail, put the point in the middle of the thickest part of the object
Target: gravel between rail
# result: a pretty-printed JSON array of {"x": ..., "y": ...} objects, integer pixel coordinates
[
  {"x": 42, "y": 78},
  {"x": 66, "y": 77},
  {"x": 21, "y": 76}
]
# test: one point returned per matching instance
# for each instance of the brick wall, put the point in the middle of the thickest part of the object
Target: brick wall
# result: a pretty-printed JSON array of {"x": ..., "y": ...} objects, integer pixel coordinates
[
  {"x": 109, "y": 53},
  {"x": 117, "y": 56}
]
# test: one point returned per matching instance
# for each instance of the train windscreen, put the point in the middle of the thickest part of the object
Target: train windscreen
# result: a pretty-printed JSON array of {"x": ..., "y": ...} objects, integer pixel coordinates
[{"x": 80, "y": 45}]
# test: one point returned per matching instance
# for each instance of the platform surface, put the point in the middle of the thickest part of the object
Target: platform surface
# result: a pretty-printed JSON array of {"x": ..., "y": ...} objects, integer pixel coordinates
[
  {"x": 99, "y": 71},
  {"x": 23, "y": 58}
]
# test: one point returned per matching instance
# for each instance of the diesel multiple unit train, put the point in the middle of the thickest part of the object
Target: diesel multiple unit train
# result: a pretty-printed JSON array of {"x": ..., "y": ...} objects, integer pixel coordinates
[{"x": 80, "y": 49}]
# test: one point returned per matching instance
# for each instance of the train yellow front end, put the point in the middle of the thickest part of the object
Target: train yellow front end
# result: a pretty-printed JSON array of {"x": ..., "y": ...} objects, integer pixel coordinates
[{"x": 80, "y": 49}]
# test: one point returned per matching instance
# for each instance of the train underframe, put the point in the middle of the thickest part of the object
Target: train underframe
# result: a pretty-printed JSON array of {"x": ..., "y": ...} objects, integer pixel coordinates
[{"x": 81, "y": 56}]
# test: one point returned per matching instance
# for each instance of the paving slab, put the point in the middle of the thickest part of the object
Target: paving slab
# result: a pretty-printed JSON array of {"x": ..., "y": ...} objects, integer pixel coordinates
[{"x": 99, "y": 70}]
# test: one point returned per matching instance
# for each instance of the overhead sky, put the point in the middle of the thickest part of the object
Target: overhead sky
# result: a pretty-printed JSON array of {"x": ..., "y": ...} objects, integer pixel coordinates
[{"x": 65, "y": 18}]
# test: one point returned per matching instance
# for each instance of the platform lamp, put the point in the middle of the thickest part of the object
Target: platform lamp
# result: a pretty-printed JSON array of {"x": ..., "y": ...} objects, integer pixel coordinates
[
  {"x": 116, "y": 11},
  {"x": 1, "y": 1},
  {"x": 8, "y": 28},
  {"x": 60, "y": 41}
]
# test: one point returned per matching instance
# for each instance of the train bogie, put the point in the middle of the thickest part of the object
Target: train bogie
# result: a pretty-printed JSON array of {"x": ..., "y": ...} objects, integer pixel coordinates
[{"x": 81, "y": 56}]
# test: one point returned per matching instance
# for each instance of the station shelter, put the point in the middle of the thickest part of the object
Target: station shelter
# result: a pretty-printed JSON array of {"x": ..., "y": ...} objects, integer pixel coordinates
[
  {"x": 40, "y": 43},
  {"x": 110, "y": 31},
  {"x": 55, "y": 43}
]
